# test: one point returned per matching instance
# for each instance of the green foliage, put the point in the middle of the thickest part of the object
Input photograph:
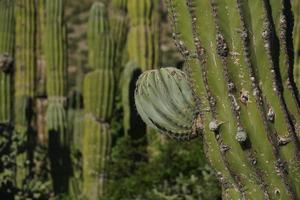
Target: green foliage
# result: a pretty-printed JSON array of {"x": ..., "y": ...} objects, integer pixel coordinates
[{"x": 175, "y": 173}]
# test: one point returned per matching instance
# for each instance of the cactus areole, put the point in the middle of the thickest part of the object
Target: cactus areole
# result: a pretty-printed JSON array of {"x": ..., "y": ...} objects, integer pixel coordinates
[{"x": 239, "y": 85}]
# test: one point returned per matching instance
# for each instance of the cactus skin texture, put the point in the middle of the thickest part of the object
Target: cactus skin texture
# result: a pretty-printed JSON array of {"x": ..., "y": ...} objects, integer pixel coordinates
[
  {"x": 98, "y": 95},
  {"x": 296, "y": 9},
  {"x": 238, "y": 57},
  {"x": 56, "y": 62},
  {"x": 25, "y": 80},
  {"x": 143, "y": 36},
  {"x": 118, "y": 22},
  {"x": 165, "y": 102},
  {"x": 7, "y": 38}
]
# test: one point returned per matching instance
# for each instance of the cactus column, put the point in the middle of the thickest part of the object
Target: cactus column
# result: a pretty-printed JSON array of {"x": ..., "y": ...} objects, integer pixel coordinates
[
  {"x": 143, "y": 40},
  {"x": 25, "y": 81},
  {"x": 239, "y": 63},
  {"x": 56, "y": 62},
  {"x": 7, "y": 44},
  {"x": 7, "y": 39},
  {"x": 98, "y": 94}
]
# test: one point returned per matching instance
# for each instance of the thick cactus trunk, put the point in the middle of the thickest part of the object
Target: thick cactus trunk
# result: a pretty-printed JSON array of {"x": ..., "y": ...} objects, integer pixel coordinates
[
  {"x": 56, "y": 62},
  {"x": 98, "y": 95},
  {"x": 238, "y": 56},
  {"x": 7, "y": 46},
  {"x": 118, "y": 21},
  {"x": 25, "y": 82},
  {"x": 7, "y": 39}
]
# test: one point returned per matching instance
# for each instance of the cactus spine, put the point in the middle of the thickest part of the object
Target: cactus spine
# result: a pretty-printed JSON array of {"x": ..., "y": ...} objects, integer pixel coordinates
[
  {"x": 25, "y": 80},
  {"x": 7, "y": 38},
  {"x": 239, "y": 61},
  {"x": 56, "y": 61},
  {"x": 98, "y": 93}
]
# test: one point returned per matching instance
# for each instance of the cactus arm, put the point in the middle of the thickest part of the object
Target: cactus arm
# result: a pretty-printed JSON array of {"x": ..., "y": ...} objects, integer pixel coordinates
[{"x": 6, "y": 47}]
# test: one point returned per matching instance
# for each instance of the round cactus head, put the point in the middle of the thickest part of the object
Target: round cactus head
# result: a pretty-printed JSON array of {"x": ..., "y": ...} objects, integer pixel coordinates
[{"x": 165, "y": 102}]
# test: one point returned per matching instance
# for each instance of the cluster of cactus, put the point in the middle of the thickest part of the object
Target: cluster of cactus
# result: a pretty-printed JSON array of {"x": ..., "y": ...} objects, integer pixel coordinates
[
  {"x": 98, "y": 95},
  {"x": 239, "y": 65}
]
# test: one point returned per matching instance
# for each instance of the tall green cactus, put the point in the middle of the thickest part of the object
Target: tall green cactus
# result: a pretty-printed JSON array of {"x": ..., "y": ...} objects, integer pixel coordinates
[
  {"x": 56, "y": 62},
  {"x": 238, "y": 59},
  {"x": 25, "y": 80},
  {"x": 118, "y": 21},
  {"x": 7, "y": 39},
  {"x": 296, "y": 9},
  {"x": 98, "y": 95},
  {"x": 7, "y": 47},
  {"x": 143, "y": 43}
]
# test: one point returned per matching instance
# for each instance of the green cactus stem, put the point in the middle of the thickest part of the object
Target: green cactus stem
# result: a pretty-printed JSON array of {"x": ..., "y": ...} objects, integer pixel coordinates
[
  {"x": 96, "y": 151},
  {"x": 25, "y": 81},
  {"x": 118, "y": 22},
  {"x": 239, "y": 63},
  {"x": 143, "y": 36},
  {"x": 98, "y": 95},
  {"x": 100, "y": 42},
  {"x": 7, "y": 38},
  {"x": 56, "y": 62}
]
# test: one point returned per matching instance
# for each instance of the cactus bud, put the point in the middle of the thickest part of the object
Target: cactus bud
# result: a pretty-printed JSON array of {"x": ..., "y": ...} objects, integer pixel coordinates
[{"x": 165, "y": 102}]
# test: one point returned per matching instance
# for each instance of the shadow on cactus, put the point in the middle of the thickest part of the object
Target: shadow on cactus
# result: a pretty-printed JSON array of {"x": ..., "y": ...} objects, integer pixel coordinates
[{"x": 166, "y": 103}]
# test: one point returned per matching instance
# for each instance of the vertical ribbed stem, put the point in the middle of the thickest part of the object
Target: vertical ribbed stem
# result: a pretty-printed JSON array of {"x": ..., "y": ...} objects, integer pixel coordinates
[
  {"x": 245, "y": 69},
  {"x": 56, "y": 62},
  {"x": 25, "y": 81},
  {"x": 98, "y": 94},
  {"x": 7, "y": 39}
]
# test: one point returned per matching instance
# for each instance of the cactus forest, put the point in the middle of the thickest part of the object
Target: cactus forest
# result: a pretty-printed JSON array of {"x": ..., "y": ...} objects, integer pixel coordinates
[{"x": 149, "y": 99}]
